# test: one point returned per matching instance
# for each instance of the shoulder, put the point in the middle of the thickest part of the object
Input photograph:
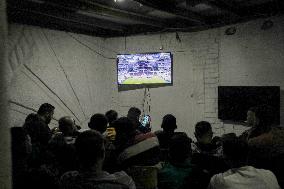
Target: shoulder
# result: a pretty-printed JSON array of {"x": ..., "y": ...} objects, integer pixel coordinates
[
  {"x": 143, "y": 136},
  {"x": 216, "y": 181},
  {"x": 69, "y": 178},
  {"x": 122, "y": 178}
]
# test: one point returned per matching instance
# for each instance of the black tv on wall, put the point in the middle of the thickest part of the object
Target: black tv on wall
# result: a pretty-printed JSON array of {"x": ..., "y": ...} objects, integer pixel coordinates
[{"x": 234, "y": 101}]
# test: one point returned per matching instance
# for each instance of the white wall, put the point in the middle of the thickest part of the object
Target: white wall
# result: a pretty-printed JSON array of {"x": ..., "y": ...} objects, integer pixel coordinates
[
  {"x": 5, "y": 157},
  {"x": 254, "y": 57},
  {"x": 64, "y": 69},
  {"x": 202, "y": 61}
]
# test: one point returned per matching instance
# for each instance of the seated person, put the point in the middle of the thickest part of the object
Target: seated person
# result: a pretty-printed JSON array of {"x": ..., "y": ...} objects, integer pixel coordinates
[
  {"x": 91, "y": 152},
  {"x": 98, "y": 122},
  {"x": 134, "y": 148},
  {"x": 111, "y": 116},
  {"x": 203, "y": 133},
  {"x": 62, "y": 146},
  {"x": 266, "y": 141},
  {"x": 179, "y": 167},
  {"x": 205, "y": 153},
  {"x": 169, "y": 126},
  {"x": 134, "y": 115},
  {"x": 240, "y": 175}
]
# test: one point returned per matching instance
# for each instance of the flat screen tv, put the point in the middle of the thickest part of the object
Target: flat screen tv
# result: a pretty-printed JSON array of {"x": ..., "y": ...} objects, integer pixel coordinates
[
  {"x": 145, "y": 68},
  {"x": 234, "y": 101}
]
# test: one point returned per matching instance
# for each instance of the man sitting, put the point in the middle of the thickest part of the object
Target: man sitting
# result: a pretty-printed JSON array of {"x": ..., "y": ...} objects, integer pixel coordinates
[
  {"x": 91, "y": 152},
  {"x": 134, "y": 148},
  {"x": 179, "y": 167},
  {"x": 240, "y": 175},
  {"x": 206, "y": 154}
]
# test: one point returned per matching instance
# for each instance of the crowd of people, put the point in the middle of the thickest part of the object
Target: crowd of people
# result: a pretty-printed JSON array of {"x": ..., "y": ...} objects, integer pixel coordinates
[{"x": 105, "y": 155}]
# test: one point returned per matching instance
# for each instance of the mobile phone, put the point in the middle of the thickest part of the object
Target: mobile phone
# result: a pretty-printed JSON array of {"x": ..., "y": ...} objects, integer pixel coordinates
[{"x": 146, "y": 120}]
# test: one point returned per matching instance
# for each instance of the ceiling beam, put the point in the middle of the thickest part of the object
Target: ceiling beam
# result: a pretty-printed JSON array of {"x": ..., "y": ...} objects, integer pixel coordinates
[
  {"x": 103, "y": 10},
  {"x": 64, "y": 15},
  {"x": 233, "y": 9},
  {"x": 170, "y": 7}
]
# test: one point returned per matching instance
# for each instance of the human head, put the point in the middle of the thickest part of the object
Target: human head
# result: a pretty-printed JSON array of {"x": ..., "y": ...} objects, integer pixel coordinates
[
  {"x": 98, "y": 122},
  {"x": 169, "y": 123},
  {"x": 134, "y": 113},
  {"x": 67, "y": 126},
  {"x": 46, "y": 112},
  {"x": 260, "y": 116},
  {"x": 90, "y": 148},
  {"x": 124, "y": 126},
  {"x": 235, "y": 151},
  {"x": 203, "y": 132},
  {"x": 179, "y": 148},
  {"x": 111, "y": 116},
  {"x": 125, "y": 132}
]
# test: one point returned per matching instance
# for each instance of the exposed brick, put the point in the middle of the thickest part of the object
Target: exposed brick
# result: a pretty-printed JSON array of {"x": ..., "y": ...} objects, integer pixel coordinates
[
  {"x": 210, "y": 107},
  {"x": 211, "y": 75},
  {"x": 211, "y": 80},
  {"x": 210, "y": 120},
  {"x": 210, "y": 115},
  {"x": 210, "y": 93}
]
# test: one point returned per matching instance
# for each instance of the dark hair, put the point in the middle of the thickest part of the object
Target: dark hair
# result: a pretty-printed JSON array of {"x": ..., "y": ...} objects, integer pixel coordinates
[
  {"x": 169, "y": 122},
  {"x": 236, "y": 150},
  {"x": 98, "y": 122},
  {"x": 265, "y": 115},
  {"x": 125, "y": 132},
  {"x": 133, "y": 113},
  {"x": 180, "y": 148},
  {"x": 90, "y": 147},
  {"x": 66, "y": 125},
  {"x": 202, "y": 128},
  {"x": 45, "y": 108},
  {"x": 111, "y": 116}
]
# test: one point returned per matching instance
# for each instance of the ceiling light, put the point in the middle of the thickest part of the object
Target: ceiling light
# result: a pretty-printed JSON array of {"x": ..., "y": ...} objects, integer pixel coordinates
[{"x": 119, "y": 1}]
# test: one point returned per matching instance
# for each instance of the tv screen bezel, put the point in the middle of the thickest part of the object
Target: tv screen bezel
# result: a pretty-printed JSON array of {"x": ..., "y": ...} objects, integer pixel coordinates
[{"x": 145, "y": 84}]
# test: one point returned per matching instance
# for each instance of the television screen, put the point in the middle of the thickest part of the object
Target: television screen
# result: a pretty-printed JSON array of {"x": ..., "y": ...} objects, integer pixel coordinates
[
  {"x": 234, "y": 101},
  {"x": 146, "y": 68}
]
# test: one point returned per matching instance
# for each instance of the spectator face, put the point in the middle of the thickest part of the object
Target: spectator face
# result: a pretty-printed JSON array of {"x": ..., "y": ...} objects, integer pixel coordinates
[
  {"x": 251, "y": 118},
  {"x": 48, "y": 117}
]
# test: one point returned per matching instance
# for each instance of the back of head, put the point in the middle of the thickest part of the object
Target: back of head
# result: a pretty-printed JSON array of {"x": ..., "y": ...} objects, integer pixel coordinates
[
  {"x": 169, "y": 123},
  {"x": 45, "y": 108},
  {"x": 134, "y": 113},
  {"x": 90, "y": 147},
  {"x": 111, "y": 116},
  {"x": 235, "y": 151},
  {"x": 125, "y": 133},
  {"x": 67, "y": 125},
  {"x": 203, "y": 130},
  {"x": 98, "y": 122},
  {"x": 123, "y": 126},
  {"x": 264, "y": 114},
  {"x": 179, "y": 148}
]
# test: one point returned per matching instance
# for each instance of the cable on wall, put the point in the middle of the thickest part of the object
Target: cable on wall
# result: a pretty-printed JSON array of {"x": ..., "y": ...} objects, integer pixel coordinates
[
  {"x": 51, "y": 91},
  {"x": 85, "y": 45},
  {"x": 65, "y": 74}
]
